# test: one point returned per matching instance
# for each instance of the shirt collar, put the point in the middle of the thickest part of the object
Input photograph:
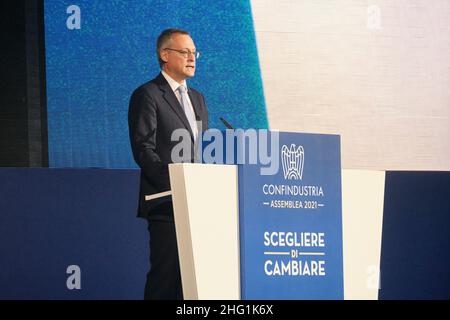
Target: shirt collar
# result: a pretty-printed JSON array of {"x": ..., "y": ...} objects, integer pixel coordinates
[{"x": 172, "y": 83}]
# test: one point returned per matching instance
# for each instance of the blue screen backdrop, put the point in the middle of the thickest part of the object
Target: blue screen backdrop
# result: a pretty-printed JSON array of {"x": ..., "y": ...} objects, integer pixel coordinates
[{"x": 92, "y": 71}]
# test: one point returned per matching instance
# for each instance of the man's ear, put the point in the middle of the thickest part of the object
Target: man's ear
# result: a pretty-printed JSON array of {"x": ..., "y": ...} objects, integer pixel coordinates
[{"x": 163, "y": 54}]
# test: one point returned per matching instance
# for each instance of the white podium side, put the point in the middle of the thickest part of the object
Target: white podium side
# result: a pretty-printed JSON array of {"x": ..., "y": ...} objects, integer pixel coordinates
[
  {"x": 205, "y": 200},
  {"x": 362, "y": 220}
]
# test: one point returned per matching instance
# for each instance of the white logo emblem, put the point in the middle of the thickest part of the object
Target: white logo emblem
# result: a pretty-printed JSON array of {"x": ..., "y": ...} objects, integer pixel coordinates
[{"x": 292, "y": 160}]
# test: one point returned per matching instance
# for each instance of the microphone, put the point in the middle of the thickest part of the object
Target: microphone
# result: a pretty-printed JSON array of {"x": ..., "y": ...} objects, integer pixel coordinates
[{"x": 225, "y": 122}]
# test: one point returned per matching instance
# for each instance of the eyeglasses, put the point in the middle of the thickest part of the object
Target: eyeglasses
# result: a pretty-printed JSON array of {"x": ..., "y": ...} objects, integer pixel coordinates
[{"x": 186, "y": 53}]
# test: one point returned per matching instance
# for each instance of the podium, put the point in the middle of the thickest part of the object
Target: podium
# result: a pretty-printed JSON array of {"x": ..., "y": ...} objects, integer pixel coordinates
[
  {"x": 244, "y": 235},
  {"x": 205, "y": 201}
]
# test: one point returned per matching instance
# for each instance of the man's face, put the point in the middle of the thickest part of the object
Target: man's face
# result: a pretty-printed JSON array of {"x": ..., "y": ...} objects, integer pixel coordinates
[{"x": 178, "y": 65}]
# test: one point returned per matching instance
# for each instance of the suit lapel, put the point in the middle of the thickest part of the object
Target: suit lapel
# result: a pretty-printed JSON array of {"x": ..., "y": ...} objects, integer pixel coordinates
[{"x": 172, "y": 100}]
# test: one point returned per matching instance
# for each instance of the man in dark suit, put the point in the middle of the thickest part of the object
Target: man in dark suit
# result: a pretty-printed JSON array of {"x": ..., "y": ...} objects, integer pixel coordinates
[{"x": 157, "y": 108}]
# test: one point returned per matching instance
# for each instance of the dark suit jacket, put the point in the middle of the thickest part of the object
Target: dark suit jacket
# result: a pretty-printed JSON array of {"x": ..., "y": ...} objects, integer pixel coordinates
[{"x": 153, "y": 115}]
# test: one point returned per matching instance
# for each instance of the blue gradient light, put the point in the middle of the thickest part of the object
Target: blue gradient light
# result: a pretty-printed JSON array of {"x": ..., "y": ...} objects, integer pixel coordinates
[{"x": 91, "y": 72}]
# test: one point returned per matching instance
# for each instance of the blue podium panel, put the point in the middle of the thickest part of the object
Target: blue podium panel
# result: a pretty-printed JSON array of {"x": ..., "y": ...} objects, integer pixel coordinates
[
  {"x": 71, "y": 234},
  {"x": 291, "y": 222}
]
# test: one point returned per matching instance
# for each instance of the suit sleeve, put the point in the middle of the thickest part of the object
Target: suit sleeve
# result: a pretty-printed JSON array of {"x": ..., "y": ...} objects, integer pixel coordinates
[{"x": 142, "y": 122}]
